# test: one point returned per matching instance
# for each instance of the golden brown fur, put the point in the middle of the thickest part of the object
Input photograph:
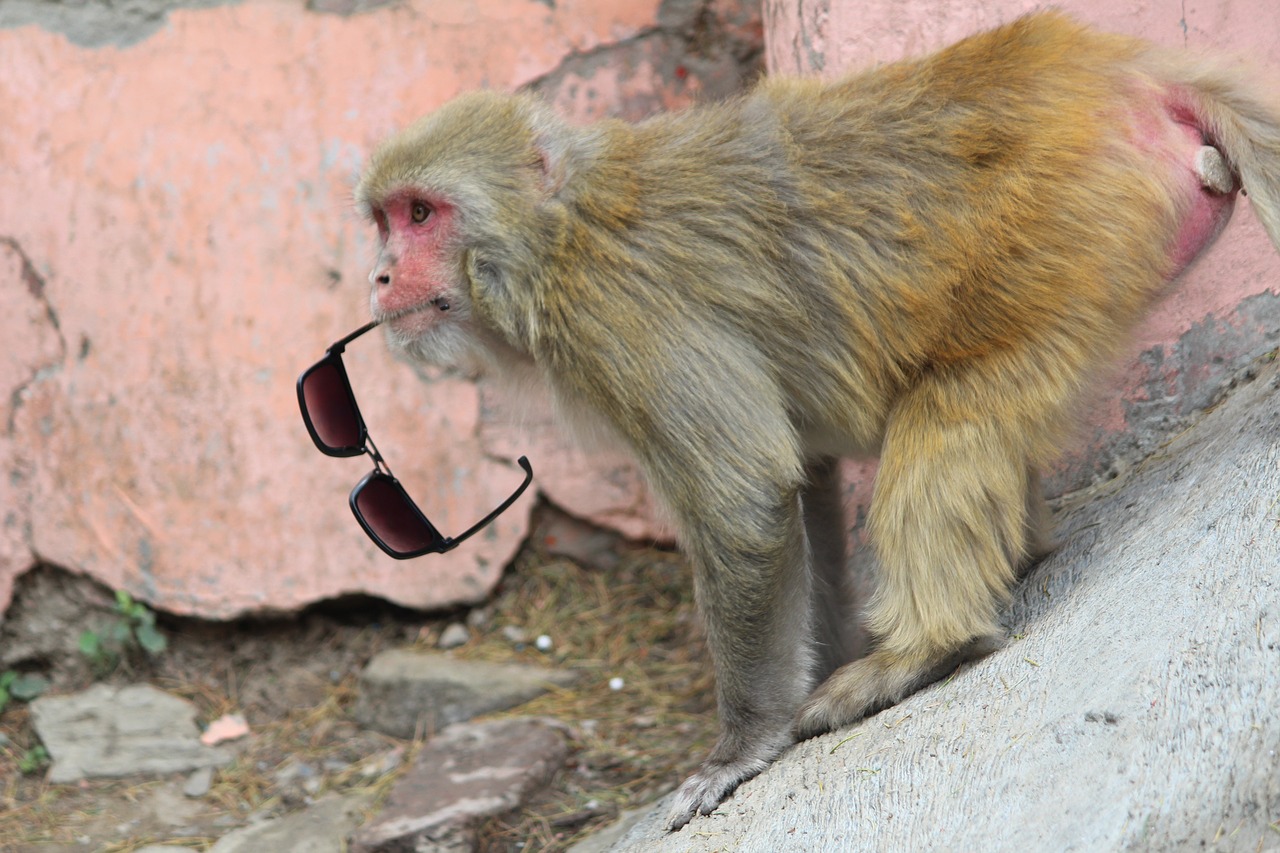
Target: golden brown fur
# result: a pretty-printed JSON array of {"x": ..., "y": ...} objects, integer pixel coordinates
[{"x": 929, "y": 261}]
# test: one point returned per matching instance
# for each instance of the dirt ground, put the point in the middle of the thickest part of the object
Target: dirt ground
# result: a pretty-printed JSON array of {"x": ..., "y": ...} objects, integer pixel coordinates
[{"x": 295, "y": 680}]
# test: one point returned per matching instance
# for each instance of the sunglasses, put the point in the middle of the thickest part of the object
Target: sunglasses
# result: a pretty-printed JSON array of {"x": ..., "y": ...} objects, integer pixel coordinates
[{"x": 381, "y": 505}]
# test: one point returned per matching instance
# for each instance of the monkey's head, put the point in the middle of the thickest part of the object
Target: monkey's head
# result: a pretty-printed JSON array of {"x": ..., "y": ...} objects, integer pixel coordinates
[{"x": 466, "y": 207}]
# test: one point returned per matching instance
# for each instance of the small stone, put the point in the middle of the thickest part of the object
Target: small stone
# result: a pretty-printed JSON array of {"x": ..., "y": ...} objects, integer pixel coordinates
[
  {"x": 406, "y": 691},
  {"x": 478, "y": 618},
  {"x": 226, "y": 727},
  {"x": 616, "y": 683},
  {"x": 381, "y": 764},
  {"x": 579, "y": 540},
  {"x": 543, "y": 643},
  {"x": 120, "y": 731},
  {"x": 456, "y": 634},
  {"x": 198, "y": 783},
  {"x": 515, "y": 634},
  {"x": 320, "y": 828},
  {"x": 292, "y": 770},
  {"x": 466, "y": 773},
  {"x": 604, "y": 839}
]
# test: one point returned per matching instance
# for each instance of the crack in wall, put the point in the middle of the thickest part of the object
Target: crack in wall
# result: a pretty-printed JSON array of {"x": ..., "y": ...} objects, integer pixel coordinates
[
  {"x": 689, "y": 41},
  {"x": 36, "y": 287}
]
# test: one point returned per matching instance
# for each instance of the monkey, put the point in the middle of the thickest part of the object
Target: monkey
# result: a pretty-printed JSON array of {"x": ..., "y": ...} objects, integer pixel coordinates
[{"x": 929, "y": 262}]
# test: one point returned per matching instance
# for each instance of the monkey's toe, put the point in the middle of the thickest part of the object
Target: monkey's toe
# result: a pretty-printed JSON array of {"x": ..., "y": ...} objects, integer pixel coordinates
[
  {"x": 851, "y": 693},
  {"x": 877, "y": 681},
  {"x": 705, "y": 790}
]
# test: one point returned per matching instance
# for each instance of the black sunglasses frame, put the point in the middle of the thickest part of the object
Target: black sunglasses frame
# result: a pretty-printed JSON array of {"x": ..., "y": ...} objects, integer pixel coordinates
[{"x": 381, "y": 476}]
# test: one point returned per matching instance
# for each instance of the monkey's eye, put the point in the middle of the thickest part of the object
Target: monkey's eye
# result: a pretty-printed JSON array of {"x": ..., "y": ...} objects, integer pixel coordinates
[{"x": 419, "y": 211}]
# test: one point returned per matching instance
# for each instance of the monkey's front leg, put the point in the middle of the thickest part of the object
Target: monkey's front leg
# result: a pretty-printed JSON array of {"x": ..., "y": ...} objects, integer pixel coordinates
[{"x": 752, "y": 582}]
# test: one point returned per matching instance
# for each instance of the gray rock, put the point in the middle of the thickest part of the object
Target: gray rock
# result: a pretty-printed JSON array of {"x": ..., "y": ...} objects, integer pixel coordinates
[
  {"x": 198, "y": 783},
  {"x": 321, "y": 828},
  {"x": 403, "y": 691},
  {"x": 120, "y": 731},
  {"x": 454, "y": 635},
  {"x": 603, "y": 840},
  {"x": 466, "y": 773},
  {"x": 1134, "y": 707}
]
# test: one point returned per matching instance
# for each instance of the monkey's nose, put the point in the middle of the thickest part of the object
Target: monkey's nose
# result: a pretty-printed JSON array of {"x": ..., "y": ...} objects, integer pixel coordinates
[{"x": 384, "y": 278}]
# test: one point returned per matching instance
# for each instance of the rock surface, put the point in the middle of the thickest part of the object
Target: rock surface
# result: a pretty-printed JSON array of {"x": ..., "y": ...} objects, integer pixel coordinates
[
  {"x": 120, "y": 731},
  {"x": 467, "y": 773},
  {"x": 321, "y": 828},
  {"x": 408, "y": 692},
  {"x": 1134, "y": 707}
]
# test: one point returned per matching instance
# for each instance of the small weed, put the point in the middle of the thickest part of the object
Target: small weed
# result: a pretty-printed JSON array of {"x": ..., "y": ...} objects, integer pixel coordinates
[
  {"x": 134, "y": 628},
  {"x": 33, "y": 760},
  {"x": 15, "y": 685}
]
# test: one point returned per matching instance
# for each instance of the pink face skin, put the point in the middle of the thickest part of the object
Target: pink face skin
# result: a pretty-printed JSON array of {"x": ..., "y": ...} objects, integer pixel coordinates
[{"x": 411, "y": 285}]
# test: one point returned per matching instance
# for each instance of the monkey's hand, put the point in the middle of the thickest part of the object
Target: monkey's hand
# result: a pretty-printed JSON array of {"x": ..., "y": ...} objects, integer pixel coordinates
[{"x": 718, "y": 777}]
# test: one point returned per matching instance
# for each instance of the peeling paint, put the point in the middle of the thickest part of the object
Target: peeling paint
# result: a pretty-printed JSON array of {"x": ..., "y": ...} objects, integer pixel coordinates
[
  {"x": 1183, "y": 381},
  {"x": 98, "y": 23}
]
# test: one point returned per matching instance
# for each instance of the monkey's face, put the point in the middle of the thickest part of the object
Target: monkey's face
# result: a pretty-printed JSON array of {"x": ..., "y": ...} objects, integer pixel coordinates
[
  {"x": 466, "y": 209},
  {"x": 417, "y": 287}
]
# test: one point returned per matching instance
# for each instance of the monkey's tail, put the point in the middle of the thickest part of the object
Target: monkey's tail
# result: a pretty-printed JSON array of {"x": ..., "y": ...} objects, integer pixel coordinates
[{"x": 1241, "y": 117}]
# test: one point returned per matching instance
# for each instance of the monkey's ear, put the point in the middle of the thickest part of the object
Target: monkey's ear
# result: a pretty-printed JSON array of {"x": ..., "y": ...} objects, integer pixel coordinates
[
  {"x": 554, "y": 155},
  {"x": 556, "y": 144}
]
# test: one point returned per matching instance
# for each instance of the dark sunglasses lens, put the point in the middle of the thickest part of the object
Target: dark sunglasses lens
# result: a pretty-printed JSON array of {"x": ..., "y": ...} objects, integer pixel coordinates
[
  {"x": 386, "y": 508},
  {"x": 330, "y": 405}
]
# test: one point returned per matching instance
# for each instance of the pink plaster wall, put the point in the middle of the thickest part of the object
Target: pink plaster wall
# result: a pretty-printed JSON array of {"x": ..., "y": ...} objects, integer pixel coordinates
[
  {"x": 177, "y": 242},
  {"x": 1224, "y": 312}
]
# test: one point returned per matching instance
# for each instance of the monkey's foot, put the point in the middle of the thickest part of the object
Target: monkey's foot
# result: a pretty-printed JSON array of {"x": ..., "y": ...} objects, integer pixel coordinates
[
  {"x": 706, "y": 789},
  {"x": 874, "y": 683}
]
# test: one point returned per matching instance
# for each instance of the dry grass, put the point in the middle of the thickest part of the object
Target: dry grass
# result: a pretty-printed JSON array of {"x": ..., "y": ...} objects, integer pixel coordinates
[{"x": 296, "y": 680}]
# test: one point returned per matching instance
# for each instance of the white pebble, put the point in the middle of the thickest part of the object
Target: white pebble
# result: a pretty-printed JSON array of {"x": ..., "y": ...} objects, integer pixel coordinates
[
  {"x": 453, "y": 636},
  {"x": 616, "y": 683},
  {"x": 543, "y": 643}
]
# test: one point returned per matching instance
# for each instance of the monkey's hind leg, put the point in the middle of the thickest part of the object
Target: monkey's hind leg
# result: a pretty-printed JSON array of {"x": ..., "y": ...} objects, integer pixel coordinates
[{"x": 949, "y": 522}]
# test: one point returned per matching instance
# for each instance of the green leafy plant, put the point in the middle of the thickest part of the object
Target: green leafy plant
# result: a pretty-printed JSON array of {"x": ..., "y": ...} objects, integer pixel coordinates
[
  {"x": 15, "y": 685},
  {"x": 33, "y": 759},
  {"x": 133, "y": 628}
]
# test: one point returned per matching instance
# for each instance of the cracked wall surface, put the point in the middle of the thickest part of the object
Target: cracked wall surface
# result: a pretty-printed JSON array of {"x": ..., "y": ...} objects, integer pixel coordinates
[{"x": 178, "y": 241}]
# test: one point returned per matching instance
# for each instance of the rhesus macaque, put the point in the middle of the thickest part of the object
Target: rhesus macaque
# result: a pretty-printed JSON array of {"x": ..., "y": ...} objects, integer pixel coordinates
[{"x": 930, "y": 261}]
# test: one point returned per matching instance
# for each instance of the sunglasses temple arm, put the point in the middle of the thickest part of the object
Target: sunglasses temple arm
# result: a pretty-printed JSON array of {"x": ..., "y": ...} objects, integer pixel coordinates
[
  {"x": 340, "y": 346},
  {"x": 523, "y": 462}
]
